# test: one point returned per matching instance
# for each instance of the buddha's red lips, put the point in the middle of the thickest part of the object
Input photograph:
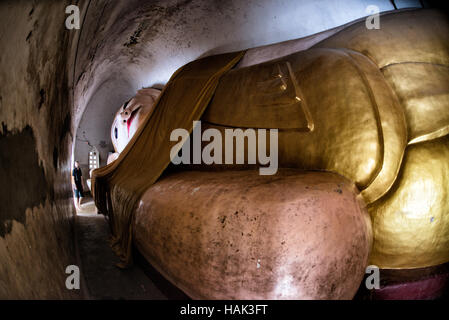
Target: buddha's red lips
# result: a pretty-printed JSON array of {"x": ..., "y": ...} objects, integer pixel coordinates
[{"x": 131, "y": 118}]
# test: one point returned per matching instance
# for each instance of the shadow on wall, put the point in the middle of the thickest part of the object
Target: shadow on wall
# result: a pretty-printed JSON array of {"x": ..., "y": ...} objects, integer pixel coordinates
[{"x": 25, "y": 178}]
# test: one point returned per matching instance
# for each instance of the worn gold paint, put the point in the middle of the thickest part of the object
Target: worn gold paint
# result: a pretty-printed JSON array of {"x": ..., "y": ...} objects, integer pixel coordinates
[
  {"x": 407, "y": 102},
  {"x": 363, "y": 103},
  {"x": 411, "y": 223},
  {"x": 414, "y": 35},
  {"x": 423, "y": 90},
  {"x": 352, "y": 123}
]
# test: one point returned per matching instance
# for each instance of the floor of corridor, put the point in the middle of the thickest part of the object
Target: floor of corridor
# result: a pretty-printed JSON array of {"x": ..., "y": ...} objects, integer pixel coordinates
[{"x": 102, "y": 279}]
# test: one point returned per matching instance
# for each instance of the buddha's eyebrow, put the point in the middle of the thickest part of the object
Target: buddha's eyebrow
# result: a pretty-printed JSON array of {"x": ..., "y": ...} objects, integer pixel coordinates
[{"x": 126, "y": 103}]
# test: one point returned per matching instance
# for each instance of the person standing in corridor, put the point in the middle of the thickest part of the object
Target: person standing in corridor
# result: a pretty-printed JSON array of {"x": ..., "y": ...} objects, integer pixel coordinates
[{"x": 77, "y": 184}]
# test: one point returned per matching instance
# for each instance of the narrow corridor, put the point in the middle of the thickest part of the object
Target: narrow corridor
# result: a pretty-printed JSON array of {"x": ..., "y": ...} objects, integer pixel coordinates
[{"x": 102, "y": 279}]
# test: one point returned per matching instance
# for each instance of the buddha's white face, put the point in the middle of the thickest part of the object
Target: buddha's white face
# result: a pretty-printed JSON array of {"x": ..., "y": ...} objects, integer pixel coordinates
[{"x": 130, "y": 116}]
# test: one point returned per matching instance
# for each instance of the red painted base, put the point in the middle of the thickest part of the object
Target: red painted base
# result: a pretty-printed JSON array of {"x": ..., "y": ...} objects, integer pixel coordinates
[
  {"x": 425, "y": 289},
  {"x": 409, "y": 284}
]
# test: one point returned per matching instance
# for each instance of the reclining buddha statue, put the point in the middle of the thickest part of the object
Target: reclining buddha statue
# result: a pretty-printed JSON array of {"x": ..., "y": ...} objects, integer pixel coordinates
[{"x": 362, "y": 120}]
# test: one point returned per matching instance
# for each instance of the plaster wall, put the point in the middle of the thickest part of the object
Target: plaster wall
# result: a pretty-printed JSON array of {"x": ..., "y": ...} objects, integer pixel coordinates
[{"x": 36, "y": 215}]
